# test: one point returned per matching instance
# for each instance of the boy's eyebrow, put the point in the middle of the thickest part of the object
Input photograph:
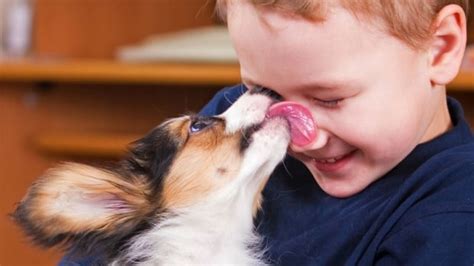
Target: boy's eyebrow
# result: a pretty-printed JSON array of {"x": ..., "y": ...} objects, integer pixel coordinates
[
  {"x": 327, "y": 86},
  {"x": 321, "y": 86},
  {"x": 330, "y": 84}
]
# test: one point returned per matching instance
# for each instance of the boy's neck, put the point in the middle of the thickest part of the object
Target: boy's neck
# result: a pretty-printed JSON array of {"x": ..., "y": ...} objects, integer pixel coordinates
[{"x": 441, "y": 122}]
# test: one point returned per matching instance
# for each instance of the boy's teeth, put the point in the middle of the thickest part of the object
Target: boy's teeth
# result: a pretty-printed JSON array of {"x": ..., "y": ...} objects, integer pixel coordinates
[{"x": 332, "y": 160}]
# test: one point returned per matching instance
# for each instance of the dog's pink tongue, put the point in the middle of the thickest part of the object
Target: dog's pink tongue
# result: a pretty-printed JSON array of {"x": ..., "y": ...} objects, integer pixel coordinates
[{"x": 303, "y": 129}]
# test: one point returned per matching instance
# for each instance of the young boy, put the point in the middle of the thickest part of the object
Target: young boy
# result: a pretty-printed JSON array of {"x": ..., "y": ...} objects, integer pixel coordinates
[
  {"x": 389, "y": 178},
  {"x": 393, "y": 160}
]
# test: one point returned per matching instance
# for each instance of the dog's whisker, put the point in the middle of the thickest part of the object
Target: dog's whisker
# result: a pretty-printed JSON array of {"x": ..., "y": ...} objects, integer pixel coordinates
[{"x": 283, "y": 162}]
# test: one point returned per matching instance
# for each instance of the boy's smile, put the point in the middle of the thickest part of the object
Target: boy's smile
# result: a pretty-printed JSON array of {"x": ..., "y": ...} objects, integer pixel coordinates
[{"x": 369, "y": 93}]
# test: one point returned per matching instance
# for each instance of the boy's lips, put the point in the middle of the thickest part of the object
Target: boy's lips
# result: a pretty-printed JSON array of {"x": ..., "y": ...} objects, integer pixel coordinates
[{"x": 332, "y": 164}]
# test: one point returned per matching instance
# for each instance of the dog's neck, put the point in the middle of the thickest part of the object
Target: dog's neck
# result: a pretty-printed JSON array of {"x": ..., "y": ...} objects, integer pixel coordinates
[{"x": 216, "y": 231}]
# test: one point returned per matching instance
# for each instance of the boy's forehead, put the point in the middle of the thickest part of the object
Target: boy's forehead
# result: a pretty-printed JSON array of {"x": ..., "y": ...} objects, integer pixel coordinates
[{"x": 292, "y": 40}]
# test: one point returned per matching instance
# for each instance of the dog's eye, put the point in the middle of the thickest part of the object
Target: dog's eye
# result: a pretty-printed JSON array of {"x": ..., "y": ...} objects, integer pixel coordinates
[{"x": 199, "y": 125}]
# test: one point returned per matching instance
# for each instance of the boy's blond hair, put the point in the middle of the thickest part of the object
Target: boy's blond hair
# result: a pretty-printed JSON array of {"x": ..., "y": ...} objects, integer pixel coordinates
[{"x": 409, "y": 20}]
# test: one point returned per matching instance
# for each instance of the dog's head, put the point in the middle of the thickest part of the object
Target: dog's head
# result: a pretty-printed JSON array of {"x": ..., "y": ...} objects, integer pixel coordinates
[{"x": 185, "y": 161}]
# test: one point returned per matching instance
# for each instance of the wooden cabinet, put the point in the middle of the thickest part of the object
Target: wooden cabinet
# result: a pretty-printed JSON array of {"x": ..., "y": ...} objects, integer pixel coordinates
[
  {"x": 85, "y": 111},
  {"x": 95, "y": 28}
]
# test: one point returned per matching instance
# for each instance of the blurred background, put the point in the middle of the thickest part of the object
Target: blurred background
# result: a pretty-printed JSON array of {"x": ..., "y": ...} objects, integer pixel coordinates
[{"x": 80, "y": 79}]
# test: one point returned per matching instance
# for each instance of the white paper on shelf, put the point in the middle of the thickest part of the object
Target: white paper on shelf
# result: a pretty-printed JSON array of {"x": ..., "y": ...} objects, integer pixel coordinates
[
  {"x": 2, "y": 18},
  {"x": 206, "y": 44}
]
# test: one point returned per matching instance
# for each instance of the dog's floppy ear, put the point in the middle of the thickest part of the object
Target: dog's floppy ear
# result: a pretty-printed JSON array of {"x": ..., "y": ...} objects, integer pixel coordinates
[{"x": 74, "y": 202}]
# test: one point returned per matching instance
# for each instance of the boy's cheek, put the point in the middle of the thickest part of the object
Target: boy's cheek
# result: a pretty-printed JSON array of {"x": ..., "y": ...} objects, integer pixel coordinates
[{"x": 298, "y": 155}]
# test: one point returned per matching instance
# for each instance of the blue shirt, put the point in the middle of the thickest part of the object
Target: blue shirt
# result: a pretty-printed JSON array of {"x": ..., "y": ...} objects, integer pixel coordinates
[{"x": 419, "y": 213}]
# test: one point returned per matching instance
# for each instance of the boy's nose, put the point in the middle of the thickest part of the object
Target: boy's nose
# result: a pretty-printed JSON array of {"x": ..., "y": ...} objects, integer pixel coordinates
[{"x": 319, "y": 142}]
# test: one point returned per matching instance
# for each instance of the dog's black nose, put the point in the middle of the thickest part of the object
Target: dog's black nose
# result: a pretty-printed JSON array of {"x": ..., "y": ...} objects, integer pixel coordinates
[{"x": 266, "y": 91}]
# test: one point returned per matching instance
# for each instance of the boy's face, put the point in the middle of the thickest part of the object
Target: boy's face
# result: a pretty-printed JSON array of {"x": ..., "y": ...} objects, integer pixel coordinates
[{"x": 369, "y": 93}]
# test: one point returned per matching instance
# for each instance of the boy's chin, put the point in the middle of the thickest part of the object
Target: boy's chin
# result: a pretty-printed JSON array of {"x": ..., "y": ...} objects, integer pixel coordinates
[
  {"x": 341, "y": 193},
  {"x": 339, "y": 188}
]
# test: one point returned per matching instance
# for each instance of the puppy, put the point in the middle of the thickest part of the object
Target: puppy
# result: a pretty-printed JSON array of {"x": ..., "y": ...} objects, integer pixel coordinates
[{"x": 186, "y": 194}]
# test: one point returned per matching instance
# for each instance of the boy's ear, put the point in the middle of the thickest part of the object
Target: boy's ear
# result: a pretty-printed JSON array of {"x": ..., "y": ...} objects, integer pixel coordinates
[
  {"x": 73, "y": 201},
  {"x": 447, "y": 45}
]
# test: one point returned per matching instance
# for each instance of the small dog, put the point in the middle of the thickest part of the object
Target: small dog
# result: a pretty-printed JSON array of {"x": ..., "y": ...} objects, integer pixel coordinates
[{"x": 186, "y": 194}]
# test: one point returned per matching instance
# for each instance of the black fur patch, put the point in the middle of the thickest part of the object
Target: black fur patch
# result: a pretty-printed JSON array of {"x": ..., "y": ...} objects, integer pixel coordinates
[
  {"x": 246, "y": 138},
  {"x": 152, "y": 156},
  {"x": 265, "y": 91}
]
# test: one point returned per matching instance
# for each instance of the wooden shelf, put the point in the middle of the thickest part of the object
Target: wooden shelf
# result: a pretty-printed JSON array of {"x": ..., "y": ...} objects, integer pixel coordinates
[
  {"x": 84, "y": 145},
  {"x": 102, "y": 71}
]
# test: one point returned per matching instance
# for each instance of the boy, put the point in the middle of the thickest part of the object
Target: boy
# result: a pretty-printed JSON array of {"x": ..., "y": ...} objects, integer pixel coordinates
[
  {"x": 393, "y": 160},
  {"x": 389, "y": 178}
]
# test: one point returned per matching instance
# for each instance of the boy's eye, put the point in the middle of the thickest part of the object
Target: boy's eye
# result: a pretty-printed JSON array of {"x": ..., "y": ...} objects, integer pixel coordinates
[{"x": 328, "y": 103}]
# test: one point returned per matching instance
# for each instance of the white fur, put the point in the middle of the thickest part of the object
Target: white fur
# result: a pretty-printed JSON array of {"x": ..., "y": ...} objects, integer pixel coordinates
[
  {"x": 250, "y": 109},
  {"x": 219, "y": 230}
]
